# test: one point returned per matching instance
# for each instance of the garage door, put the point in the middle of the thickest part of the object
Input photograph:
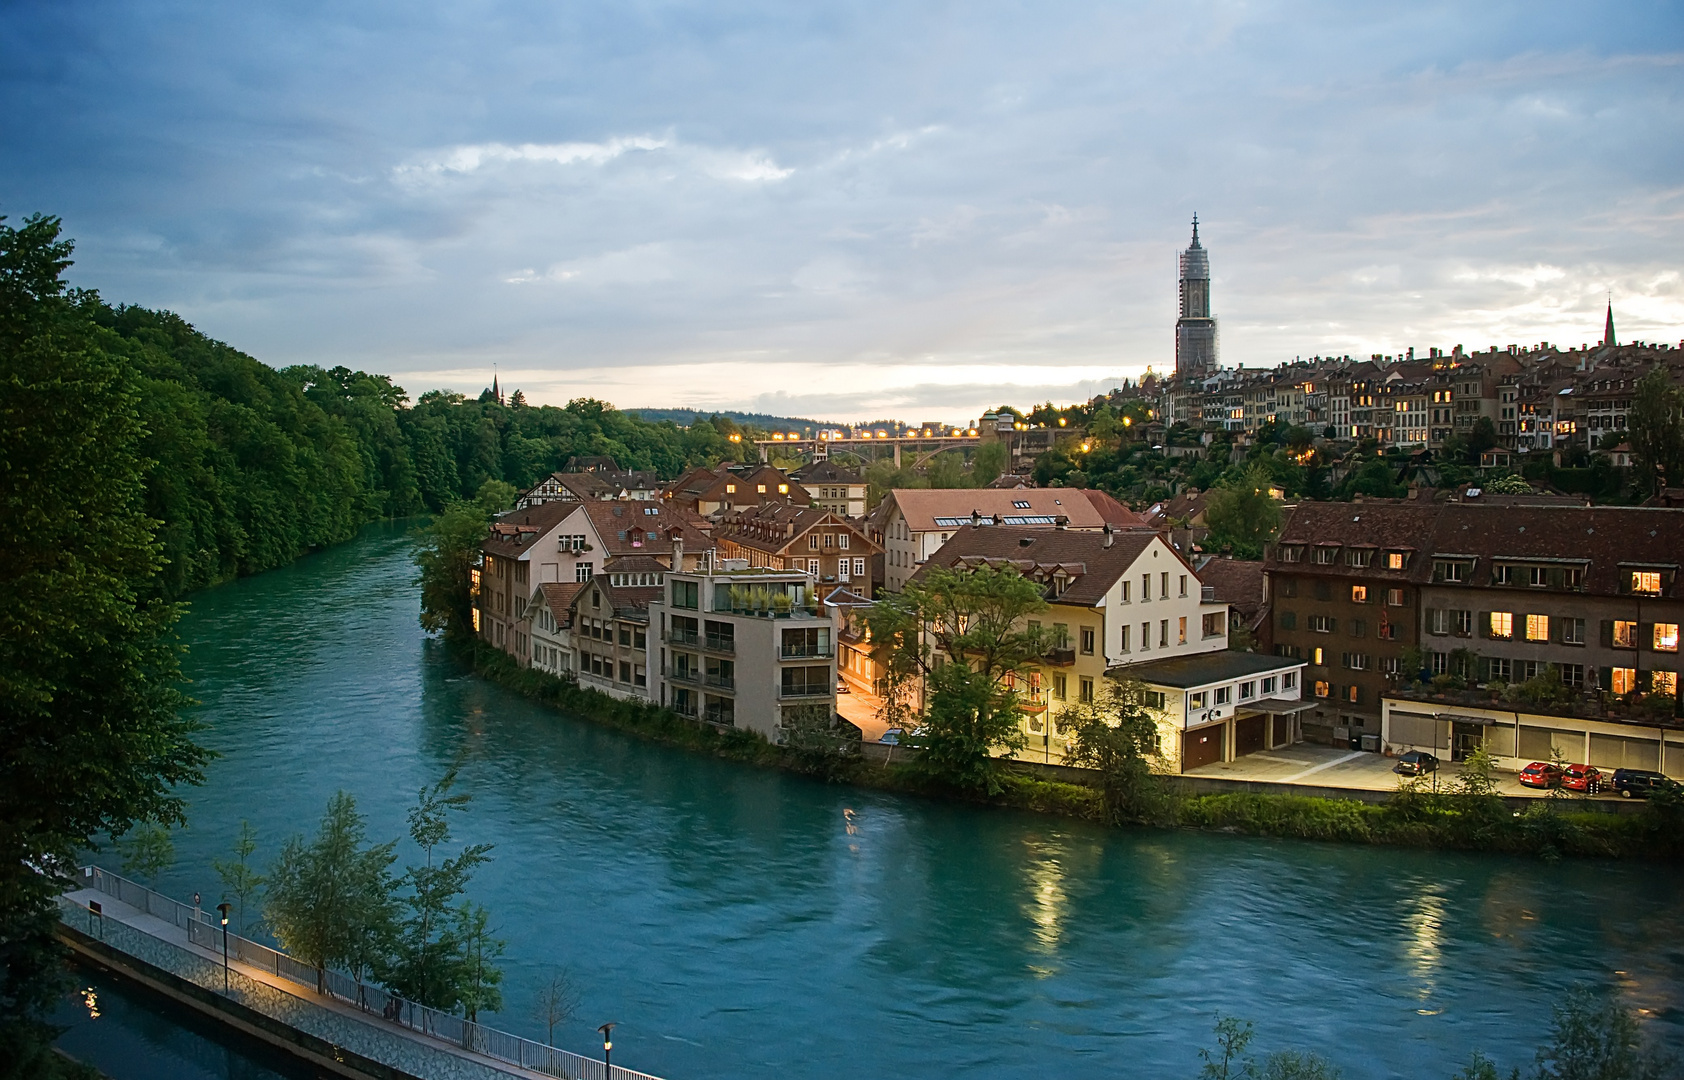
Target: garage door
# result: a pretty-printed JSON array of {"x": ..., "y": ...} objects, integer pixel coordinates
[
  {"x": 1249, "y": 734},
  {"x": 1618, "y": 752},
  {"x": 1202, "y": 747}
]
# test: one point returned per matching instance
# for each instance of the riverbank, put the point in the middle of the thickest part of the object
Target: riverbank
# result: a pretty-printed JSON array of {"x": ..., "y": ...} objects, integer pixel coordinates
[{"x": 1548, "y": 828}]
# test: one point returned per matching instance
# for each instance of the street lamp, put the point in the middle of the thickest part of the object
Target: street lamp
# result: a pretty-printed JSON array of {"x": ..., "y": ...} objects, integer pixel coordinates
[
  {"x": 223, "y": 907},
  {"x": 607, "y": 1048}
]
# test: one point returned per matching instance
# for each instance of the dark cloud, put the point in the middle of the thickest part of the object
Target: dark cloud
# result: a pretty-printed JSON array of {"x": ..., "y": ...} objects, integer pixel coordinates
[{"x": 912, "y": 206}]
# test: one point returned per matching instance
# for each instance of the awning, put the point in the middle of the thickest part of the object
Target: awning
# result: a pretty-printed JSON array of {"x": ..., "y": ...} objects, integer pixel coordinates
[
  {"x": 1458, "y": 718},
  {"x": 1278, "y": 705}
]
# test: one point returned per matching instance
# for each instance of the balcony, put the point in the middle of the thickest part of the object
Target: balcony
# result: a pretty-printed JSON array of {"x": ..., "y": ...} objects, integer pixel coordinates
[
  {"x": 714, "y": 643},
  {"x": 1207, "y": 594},
  {"x": 799, "y": 691},
  {"x": 806, "y": 652},
  {"x": 1063, "y": 656},
  {"x": 682, "y": 675},
  {"x": 681, "y": 637},
  {"x": 719, "y": 682}
]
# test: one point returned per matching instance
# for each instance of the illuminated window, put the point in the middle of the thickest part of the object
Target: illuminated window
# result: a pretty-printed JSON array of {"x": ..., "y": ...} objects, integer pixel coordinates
[
  {"x": 1625, "y": 634},
  {"x": 783, "y": 489},
  {"x": 1394, "y": 560},
  {"x": 761, "y": 489},
  {"x": 1322, "y": 688},
  {"x": 1316, "y": 658},
  {"x": 1666, "y": 637},
  {"x": 730, "y": 489},
  {"x": 1537, "y": 628},
  {"x": 1502, "y": 624},
  {"x": 1359, "y": 594},
  {"x": 1646, "y": 581},
  {"x": 1622, "y": 680},
  {"x": 1663, "y": 682}
]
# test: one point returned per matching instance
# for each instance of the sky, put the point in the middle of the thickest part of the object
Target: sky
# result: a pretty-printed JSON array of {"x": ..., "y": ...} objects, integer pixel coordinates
[{"x": 847, "y": 210}]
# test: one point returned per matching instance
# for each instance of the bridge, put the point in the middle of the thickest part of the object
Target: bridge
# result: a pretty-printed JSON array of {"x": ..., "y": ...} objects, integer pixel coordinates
[{"x": 868, "y": 445}]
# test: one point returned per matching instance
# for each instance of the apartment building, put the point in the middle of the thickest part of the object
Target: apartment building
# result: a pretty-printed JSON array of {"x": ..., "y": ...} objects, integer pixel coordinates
[
  {"x": 609, "y": 631},
  {"x": 704, "y": 492},
  {"x": 915, "y": 523},
  {"x": 1125, "y": 604},
  {"x": 744, "y": 647},
  {"x": 1343, "y": 587},
  {"x": 833, "y": 488},
  {"x": 830, "y": 548}
]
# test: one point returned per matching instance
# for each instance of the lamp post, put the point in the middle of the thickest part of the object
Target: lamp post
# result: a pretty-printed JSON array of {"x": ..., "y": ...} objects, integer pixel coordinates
[
  {"x": 223, "y": 908},
  {"x": 607, "y": 1049}
]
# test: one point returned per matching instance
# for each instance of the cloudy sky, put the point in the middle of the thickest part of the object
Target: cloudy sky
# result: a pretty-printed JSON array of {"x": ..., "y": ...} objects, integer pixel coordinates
[{"x": 843, "y": 209}]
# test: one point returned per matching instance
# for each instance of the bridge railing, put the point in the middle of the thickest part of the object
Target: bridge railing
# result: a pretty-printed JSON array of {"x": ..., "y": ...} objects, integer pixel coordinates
[{"x": 206, "y": 932}]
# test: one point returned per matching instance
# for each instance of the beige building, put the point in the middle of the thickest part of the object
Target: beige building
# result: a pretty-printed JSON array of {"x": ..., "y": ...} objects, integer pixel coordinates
[
  {"x": 833, "y": 488},
  {"x": 742, "y": 647}
]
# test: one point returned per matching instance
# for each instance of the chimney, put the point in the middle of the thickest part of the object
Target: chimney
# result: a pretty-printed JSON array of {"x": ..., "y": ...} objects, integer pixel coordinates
[
  {"x": 677, "y": 550},
  {"x": 1108, "y": 537},
  {"x": 976, "y": 519}
]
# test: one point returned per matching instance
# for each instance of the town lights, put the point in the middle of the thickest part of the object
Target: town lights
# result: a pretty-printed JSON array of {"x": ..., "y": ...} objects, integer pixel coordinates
[
  {"x": 223, "y": 907},
  {"x": 1061, "y": 421},
  {"x": 1084, "y": 448},
  {"x": 736, "y": 438},
  {"x": 1128, "y": 421},
  {"x": 607, "y": 1048}
]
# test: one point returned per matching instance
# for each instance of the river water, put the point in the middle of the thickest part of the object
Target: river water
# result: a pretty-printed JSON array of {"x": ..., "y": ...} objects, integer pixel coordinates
[{"x": 732, "y": 924}]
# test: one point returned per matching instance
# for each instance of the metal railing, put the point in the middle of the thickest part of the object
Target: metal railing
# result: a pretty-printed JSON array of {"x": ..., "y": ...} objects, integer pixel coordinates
[
  {"x": 719, "y": 682},
  {"x": 206, "y": 933},
  {"x": 715, "y": 643},
  {"x": 683, "y": 675},
  {"x": 806, "y": 652},
  {"x": 681, "y": 637}
]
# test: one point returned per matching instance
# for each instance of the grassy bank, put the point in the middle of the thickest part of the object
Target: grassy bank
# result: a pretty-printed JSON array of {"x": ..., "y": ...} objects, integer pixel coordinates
[{"x": 1549, "y": 829}]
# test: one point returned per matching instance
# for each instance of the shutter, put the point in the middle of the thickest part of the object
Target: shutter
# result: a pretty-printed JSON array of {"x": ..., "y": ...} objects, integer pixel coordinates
[
  {"x": 1607, "y": 634},
  {"x": 1332, "y": 624},
  {"x": 1484, "y": 627}
]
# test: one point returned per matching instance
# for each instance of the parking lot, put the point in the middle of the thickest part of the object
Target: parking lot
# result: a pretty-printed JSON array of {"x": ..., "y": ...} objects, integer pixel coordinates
[{"x": 1323, "y": 766}]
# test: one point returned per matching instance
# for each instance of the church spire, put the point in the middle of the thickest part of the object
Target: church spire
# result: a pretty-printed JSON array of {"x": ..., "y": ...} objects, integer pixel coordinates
[
  {"x": 1608, "y": 339},
  {"x": 1195, "y": 229}
]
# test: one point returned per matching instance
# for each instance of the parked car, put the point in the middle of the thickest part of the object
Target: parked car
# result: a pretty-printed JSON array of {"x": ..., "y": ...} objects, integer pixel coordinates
[
  {"x": 1585, "y": 778},
  {"x": 892, "y": 737},
  {"x": 1541, "y": 774},
  {"x": 1641, "y": 783},
  {"x": 842, "y": 687},
  {"x": 1415, "y": 763}
]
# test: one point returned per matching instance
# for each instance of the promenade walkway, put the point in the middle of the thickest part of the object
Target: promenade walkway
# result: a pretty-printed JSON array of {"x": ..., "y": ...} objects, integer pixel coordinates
[{"x": 174, "y": 939}]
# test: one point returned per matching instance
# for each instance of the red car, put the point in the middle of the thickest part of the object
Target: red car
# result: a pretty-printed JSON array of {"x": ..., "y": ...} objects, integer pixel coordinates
[
  {"x": 1541, "y": 774},
  {"x": 1583, "y": 778}
]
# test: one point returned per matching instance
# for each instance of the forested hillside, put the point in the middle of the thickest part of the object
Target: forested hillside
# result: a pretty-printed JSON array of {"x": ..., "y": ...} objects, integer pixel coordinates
[{"x": 248, "y": 467}]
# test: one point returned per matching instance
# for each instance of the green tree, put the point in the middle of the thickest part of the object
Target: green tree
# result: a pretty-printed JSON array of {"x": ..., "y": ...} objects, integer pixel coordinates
[
  {"x": 478, "y": 975},
  {"x": 1227, "y": 1060},
  {"x": 332, "y": 900},
  {"x": 1242, "y": 513},
  {"x": 423, "y": 967},
  {"x": 91, "y": 737},
  {"x": 147, "y": 851},
  {"x": 988, "y": 463},
  {"x": 1294, "y": 1065},
  {"x": 1656, "y": 424},
  {"x": 1481, "y": 1067},
  {"x": 445, "y": 556},
  {"x": 1594, "y": 1037},
  {"x": 961, "y": 632},
  {"x": 1116, "y": 736},
  {"x": 240, "y": 880}
]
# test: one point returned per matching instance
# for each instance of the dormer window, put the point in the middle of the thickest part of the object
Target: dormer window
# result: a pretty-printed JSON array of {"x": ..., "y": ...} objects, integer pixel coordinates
[
  {"x": 1325, "y": 554},
  {"x": 1396, "y": 560},
  {"x": 1292, "y": 553},
  {"x": 1359, "y": 557},
  {"x": 1020, "y": 504},
  {"x": 1646, "y": 582}
]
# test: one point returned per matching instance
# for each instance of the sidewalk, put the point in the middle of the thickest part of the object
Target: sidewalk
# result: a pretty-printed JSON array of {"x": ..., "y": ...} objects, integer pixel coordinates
[{"x": 165, "y": 946}]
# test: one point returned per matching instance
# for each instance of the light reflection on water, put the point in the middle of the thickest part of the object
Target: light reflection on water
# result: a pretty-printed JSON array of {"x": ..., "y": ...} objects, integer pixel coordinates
[{"x": 737, "y": 922}]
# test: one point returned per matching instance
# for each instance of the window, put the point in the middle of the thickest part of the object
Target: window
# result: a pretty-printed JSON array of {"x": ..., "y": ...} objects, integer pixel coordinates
[
  {"x": 859, "y": 568},
  {"x": 1145, "y": 635},
  {"x": 842, "y": 541},
  {"x": 1445, "y": 570},
  {"x": 1318, "y": 657},
  {"x": 1356, "y": 661},
  {"x": 1087, "y": 641},
  {"x": 760, "y": 489},
  {"x": 1646, "y": 581},
  {"x": 1087, "y": 690},
  {"x": 730, "y": 489},
  {"x": 1622, "y": 680},
  {"x": 1572, "y": 631},
  {"x": 1498, "y": 669},
  {"x": 1501, "y": 625},
  {"x": 1666, "y": 637},
  {"x": 625, "y": 671},
  {"x": 1126, "y": 585},
  {"x": 1322, "y": 624},
  {"x": 1269, "y": 685},
  {"x": 1289, "y": 680},
  {"x": 1390, "y": 665},
  {"x": 1214, "y": 624},
  {"x": 1061, "y": 635},
  {"x": 1358, "y": 557},
  {"x": 1395, "y": 560},
  {"x": 829, "y": 539},
  {"x": 1573, "y": 577},
  {"x": 812, "y": 541},
  {"x": 1464, "y": 623},
  {"x": 783, "y": 489},
  {"x": 1325, "y": 554},
  {"x": 582, "y": 571},
  {"x": 625, "y": 638},
  {"x": 1359, "y": 594},
  {"x": 1195, "y": 701},
  {"x": 806, "y": 682},
  {"x": 1163, "y": 585},
  {"x": 1322, "y": 688},
  {"x": 813, "y": 567},
  {"x": 1540, "y": 576},
  {"x": 1625, "y": 635},
  {"x": 1663, "y": 682},
  {"x": 686, "y": 594},
  {"x": 1058, "y": 685},
  {"x": 1145, "y": 586},
  {"x": 1289, "y": 620},
  {"x": 1441, "y": 663},
  {"x": 1182, "y": 631},
  {"x": 1537, "y": 628},
  {"x": 1292, "y": 553},
  {"x": 1248, "y": 690},
  {"x": 1163, "y": 633},
  {"x": 1438, "y": 621},
  {"x": 1152, "y": 699},
  {"x": 1572, "y": 675},
  {"x": 1353, "y": 694},
  {"x": 1394, "y": 597},
  {"x": 1224, "y": 694},
  {"x": 1183, "y": 584}
]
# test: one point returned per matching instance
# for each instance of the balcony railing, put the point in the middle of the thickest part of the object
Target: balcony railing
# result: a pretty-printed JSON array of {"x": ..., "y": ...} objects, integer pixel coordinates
[
  {"x": 806, "y": 652},
  {"x": 682, "y": 675},
  {"x": 719, "y": 682},
  {"x": 1061, "y": 657},
  {"x": 806, "y": 690},
  {"x": 714, "y": 643},
  {"x": 681, "y": 637},
  {"x": 1207, "y": 594}
]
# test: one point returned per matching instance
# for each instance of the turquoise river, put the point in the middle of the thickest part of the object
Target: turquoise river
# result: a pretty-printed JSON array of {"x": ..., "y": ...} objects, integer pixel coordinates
[{"x": 734, "y": 926}]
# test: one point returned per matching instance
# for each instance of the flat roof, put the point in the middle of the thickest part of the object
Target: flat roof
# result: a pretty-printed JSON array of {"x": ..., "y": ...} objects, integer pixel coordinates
[{"x": 1201, "y": 669}]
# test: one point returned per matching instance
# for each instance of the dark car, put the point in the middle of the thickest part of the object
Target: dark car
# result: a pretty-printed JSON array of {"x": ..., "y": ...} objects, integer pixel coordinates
[
  {"x": 1641, "y": 783},
  {"x": 1415, "y": 763},
  {"x": 1541, "y": 774}
]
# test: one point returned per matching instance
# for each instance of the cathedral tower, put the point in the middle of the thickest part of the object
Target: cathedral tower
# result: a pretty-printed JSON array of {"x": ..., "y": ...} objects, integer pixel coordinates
[{"x": 1195, "y": 331}]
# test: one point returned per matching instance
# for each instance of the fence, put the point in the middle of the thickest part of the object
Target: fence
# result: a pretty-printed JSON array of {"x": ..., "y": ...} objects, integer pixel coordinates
[{"x": 205, "y": 932}]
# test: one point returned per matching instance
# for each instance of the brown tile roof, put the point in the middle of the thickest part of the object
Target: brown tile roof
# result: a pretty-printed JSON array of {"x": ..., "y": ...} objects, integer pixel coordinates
[
  {"x": 634, "y": 564},
  {"x": 558, "y": 597},
  {"x": 1113, "y": 512},
  {"x": 1236, "y": 582},
  {"x": 921, "y": 506},
  {"x": 1038, "y": 553},
  {"x": 773, "y": 527},
  {"x": 511, "y": 534},
  {"x": 1378, "y": 525},
  {"x": 825, "y": 472},
  {"x": 638, "y": 519}
]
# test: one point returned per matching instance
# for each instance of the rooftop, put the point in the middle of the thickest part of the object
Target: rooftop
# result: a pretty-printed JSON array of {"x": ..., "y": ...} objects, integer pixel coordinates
[{"x": 1203, "y": 669}]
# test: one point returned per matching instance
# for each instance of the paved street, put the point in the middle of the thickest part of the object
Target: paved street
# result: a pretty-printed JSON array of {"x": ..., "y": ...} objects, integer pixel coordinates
[
  {"x": 859, "y": 707},
  {"x": 1324, "y": 766}
]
